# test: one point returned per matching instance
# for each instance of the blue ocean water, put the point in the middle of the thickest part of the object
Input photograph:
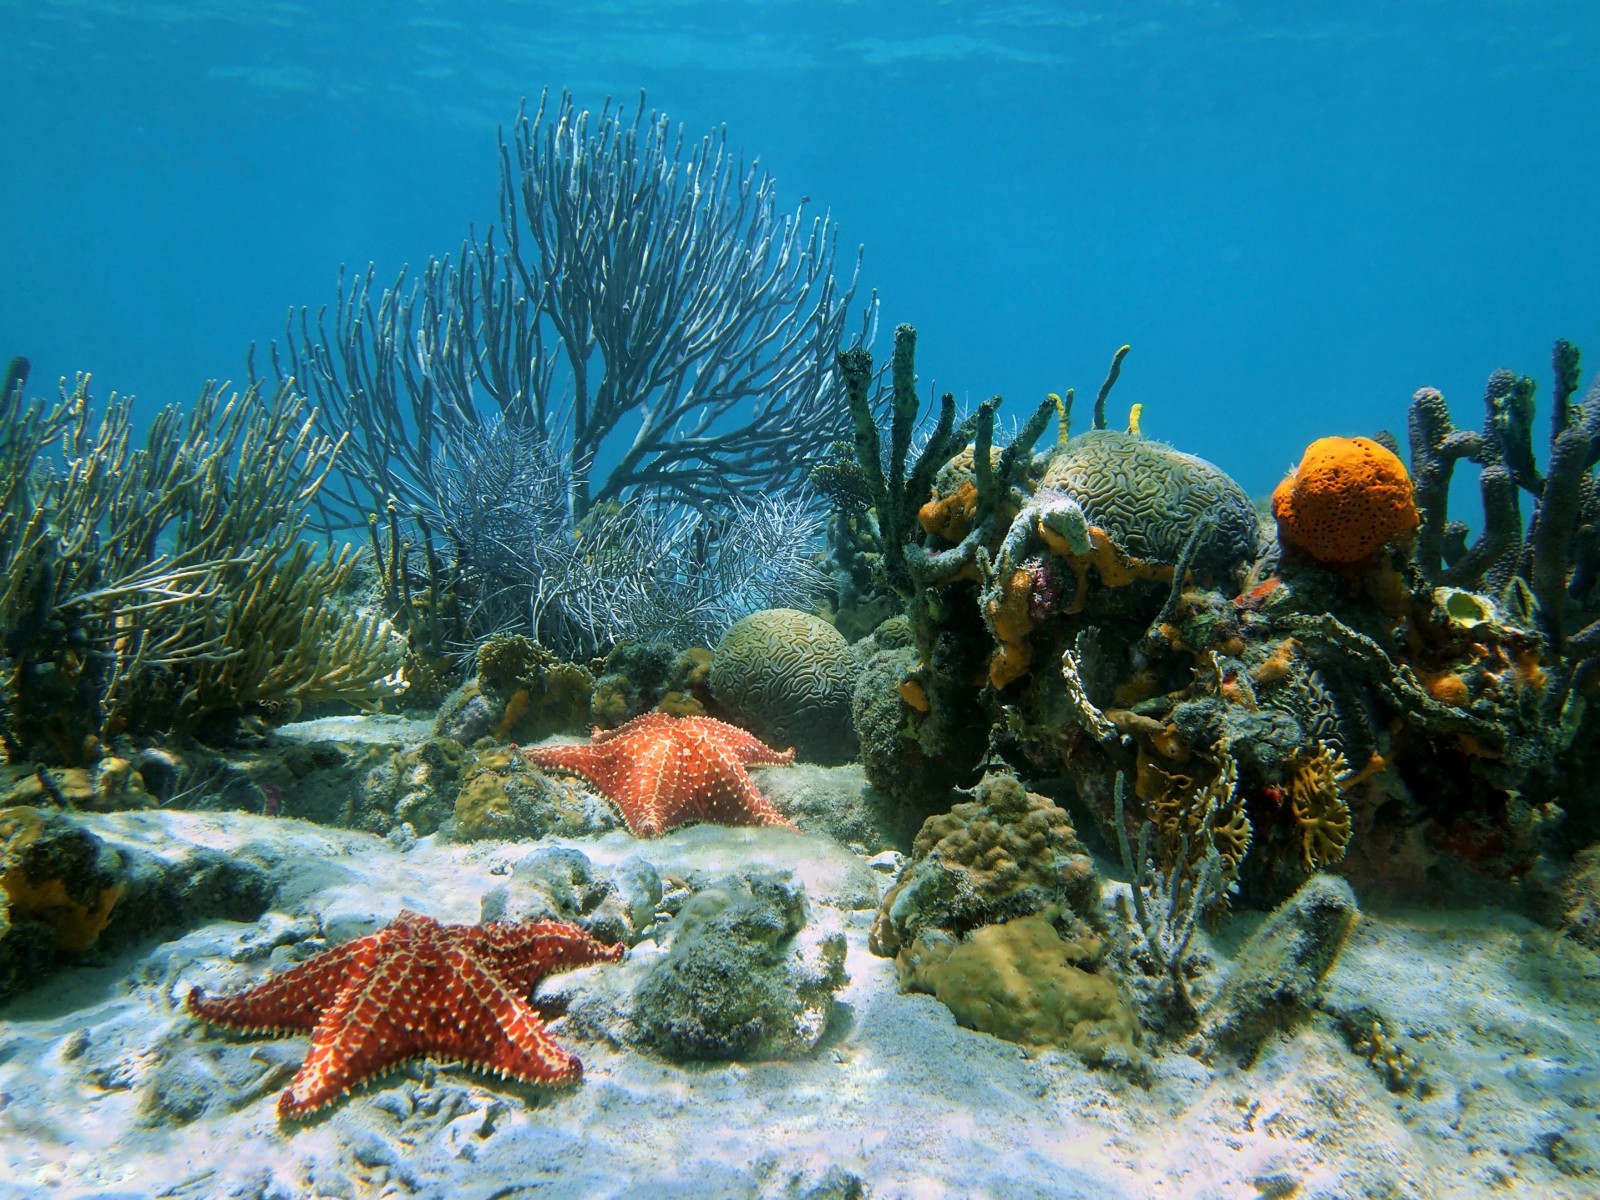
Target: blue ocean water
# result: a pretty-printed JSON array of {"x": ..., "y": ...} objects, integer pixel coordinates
[{"x": 1297, "y": 214}]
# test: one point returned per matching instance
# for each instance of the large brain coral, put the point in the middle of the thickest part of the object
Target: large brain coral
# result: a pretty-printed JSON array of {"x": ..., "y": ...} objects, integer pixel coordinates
[
  {"x": 1345, "y": 501},
  {"x": 791, "y": 675},
  {"x": 1150, "y": 499}
]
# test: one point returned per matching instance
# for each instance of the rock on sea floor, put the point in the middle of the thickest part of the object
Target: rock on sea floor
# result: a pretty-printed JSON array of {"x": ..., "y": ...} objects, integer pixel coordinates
[{"x": 108, "y": 1089}]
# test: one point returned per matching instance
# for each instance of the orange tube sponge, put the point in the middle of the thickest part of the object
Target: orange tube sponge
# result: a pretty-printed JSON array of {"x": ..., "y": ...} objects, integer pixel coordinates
[{"x": 1345, "y": 501}]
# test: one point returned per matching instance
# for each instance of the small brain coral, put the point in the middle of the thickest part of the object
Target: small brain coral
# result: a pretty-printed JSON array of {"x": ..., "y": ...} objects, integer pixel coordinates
[
  {"x": 1150, "y": 499},
  {"x": 1345, "y": 501},
  {"x": 791, "y": 675}
]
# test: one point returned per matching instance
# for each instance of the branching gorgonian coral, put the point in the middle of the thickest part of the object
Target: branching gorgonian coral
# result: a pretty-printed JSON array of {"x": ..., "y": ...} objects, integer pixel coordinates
[
  {"x": 630, "y": 365},
  {"x": 151, "y": 587}
]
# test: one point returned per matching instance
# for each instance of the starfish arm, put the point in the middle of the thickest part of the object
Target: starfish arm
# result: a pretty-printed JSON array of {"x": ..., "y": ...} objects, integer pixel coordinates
[
  {"x": 372, "y": 1025},
  {"x": 741, "y": 742},
  {"x": 498, "y": 1030},
  {"x": 291, "y": 1002},
  {"x": 649, "y": 796},
  {"x": 644, "y": 723},
  {"x": 524, "y": 954},
  {"x": 736, "y": 801}
]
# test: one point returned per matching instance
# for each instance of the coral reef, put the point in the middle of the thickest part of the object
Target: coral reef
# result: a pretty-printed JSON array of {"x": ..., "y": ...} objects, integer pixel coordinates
[
  {"x": 621, "y": 903},
  {"x": 788, "y": 676},
  {"x": 529, "y": 691},
  {"x": 883, "y": 482},
  {"x": 69, "y": 884},
  {"x": 1004, "y": 853},
  {"x": 448, "y": 388},
  {"x": 1580, "y": 898},
  {"x": 416, "y": 788},
  {"x": 1021, "y": 981},
  {"x": 501, "y": 796},
  {"x": 840, "y": 803},
  {"x": 735, "y": 982},
  {"x": 1371, "y": 1037},
  {"x": 1150, "y": 500}
]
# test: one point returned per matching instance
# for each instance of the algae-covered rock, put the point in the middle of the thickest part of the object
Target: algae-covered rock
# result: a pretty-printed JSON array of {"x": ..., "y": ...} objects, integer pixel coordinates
[
  {"x": 1580, "y": 898},
  {"x": 55, "y": 873},
  {"x": 1276, "y": 973},
  {"x": 1022, "y": 981},
  {"x": 111, "y": 784},
  {"x": 1005, "y": 853},
  {"x": 741, "y": 980},
  {"x": 616, "y": 904},
  {"x": 502, "y": 796},
  {"x": 839, "y": 802},
  {"x": 789, "y": 676},
  {"x": 416, "y": 788},
  {"x": 64, "y": 888},
  {"x": 888, "y": 732}
]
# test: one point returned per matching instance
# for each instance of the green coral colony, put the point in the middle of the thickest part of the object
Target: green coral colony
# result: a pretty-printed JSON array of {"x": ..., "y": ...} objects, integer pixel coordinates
[{"x": 1066, "y": 648}]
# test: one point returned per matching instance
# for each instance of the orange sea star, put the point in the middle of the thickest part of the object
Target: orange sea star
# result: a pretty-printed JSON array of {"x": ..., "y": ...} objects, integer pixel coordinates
[
  {"x": 416, "y": 987},
  {"x": 662, "y": 771}
]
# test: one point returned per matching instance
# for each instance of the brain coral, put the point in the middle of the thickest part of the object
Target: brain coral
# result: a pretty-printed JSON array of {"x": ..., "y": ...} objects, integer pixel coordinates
[
  {"x": 1346, "y": 499},
  {"x": 1150, "y": 498},
  {"x": 791, "y": 675},
  {"x": 1005, "y": 853}
]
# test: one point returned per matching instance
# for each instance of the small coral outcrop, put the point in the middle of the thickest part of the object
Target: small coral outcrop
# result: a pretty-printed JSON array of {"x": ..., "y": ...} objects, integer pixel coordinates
[
  {"x": 741, "y": 980},
  {"x": 1005, "y": 853},
  {"x": 1348, "y": 498},
  {"x": 1580, "y": 898},
  {"x": 1022, "y": 981},
  {"x": 1277, "y": 973},
  {"x": 789, "y": 675},
  {"x": 71, "y": 883},
  {"x": 898, "y": 734}
]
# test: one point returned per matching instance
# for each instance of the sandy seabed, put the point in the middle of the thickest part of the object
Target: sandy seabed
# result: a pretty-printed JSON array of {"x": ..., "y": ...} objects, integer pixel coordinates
[{"x": 897, "y": 1101}]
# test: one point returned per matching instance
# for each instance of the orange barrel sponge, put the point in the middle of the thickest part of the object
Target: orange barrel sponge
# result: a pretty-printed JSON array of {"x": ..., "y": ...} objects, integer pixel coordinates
[{"x": 1346, "y": 500}]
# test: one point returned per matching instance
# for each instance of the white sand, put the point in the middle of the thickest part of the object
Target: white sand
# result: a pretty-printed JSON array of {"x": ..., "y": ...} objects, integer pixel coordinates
[{"x": 1502, "y": 1016}]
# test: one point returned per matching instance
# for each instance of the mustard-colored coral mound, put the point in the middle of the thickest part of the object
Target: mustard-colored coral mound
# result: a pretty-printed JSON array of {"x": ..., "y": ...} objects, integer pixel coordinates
[
  {"x": 1345, "y": 501},
  {"x": 1005, "y": 853},
  {"x": 55, "y": 872},
  {"x": 1022, "y": 981}
]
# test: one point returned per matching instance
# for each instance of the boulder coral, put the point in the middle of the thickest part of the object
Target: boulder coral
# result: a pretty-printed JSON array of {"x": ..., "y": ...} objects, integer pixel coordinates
[
  {"x": 1348, "y": 498},
  {"x": 1022, "y": 981},
  {"x": 744, "y": 977},
  {"x": 1005, "y": 853},
  {"x": 1151, "y": 499}
]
